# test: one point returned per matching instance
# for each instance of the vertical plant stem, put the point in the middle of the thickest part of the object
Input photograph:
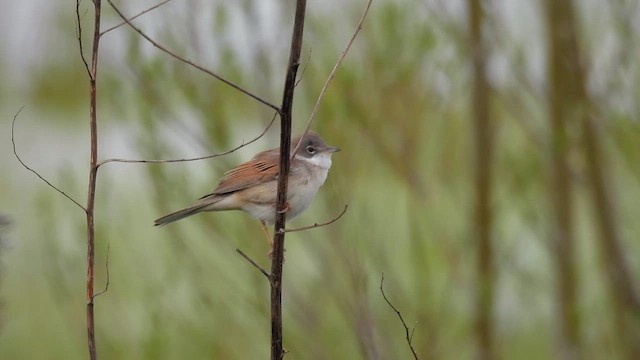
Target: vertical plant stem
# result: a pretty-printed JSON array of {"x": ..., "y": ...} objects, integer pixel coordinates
[
  {"x": 626, "y": 301},
  {"x": 277, "y": 351},
  {"x": 562, "y": 110},
  {"x": 483, "y": 163},
  {"x": 93, "y": 170}
]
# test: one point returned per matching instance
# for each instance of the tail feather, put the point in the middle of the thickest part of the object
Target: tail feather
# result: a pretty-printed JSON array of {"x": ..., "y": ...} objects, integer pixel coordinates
[{"x": 180, "y": 214}]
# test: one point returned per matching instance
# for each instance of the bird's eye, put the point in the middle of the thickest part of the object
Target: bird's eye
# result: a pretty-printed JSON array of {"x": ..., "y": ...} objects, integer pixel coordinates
[{"x": 311, "y": 149}]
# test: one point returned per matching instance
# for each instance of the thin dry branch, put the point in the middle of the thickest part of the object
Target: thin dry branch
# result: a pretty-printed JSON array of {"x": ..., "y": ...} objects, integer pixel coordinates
[
  {"x": 145, "y": 161},
  {"x": 15, "y": 152},
  {"x": 134, "y": 17},
  {"x": 316, "y": 225},
  {"x": 332, "y": 74},
  {"x": 304, "y": 69},
  {"x": 106, "y": 266},
  {"x": 187, "y": 61},
  {"x": 409, "y": 335},
  {"x": 254, "y": 263},
  {"x": 79, "y": 36}
]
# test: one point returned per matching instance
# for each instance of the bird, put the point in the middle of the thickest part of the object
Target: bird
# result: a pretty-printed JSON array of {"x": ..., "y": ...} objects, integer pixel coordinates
[{"x": 252, "y": 186}]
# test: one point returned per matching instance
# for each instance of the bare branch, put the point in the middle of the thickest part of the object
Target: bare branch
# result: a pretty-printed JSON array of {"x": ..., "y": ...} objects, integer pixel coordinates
[
  {"x": 404, "y": 324},
  {"x": 186, "y": 61},
  {"x": 134, "y": 17},
  {"x": 79, "y": 36},
  {"x": 332, "y": 75},
  {"x": 262, "y": 270},
  {"x": 143, "y": 161},
  {"x": 15, "y": 152},
  {"x": 106, "y": 265},
  {"x": 316, "y": 225},
  {"x": 304, "y": 68},
  {"x": 277, "y": 250}
]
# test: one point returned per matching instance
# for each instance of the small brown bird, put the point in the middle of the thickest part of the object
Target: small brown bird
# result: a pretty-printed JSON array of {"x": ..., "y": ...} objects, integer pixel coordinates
[{"x": 252, "y": 186}]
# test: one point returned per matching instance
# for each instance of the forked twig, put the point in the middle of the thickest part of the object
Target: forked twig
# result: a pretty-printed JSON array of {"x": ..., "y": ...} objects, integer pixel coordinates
[
  {"x": 332, "y": 74},
  {"x": 134, "y": 17},
  {"x": 187, "y": 61},
  {"x": 316, "y": 225},
  {"x": 262, "y": 270},
  {"x": 15, "y": 152},
  {"x": 408, "y": 334},
  {"x": 144, "y": 161}
]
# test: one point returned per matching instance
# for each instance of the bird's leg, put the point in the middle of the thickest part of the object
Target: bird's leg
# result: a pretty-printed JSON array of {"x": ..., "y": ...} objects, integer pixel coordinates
[{"x": 269, "y": 239}]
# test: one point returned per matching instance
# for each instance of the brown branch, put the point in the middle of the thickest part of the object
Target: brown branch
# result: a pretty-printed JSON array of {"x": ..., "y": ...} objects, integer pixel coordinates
[
  {"x": 134, "y": 17},
  {"x": 316, "y": 225},
  {"x": 145, "y": 161},
  {"x": 79, "y": 36},
  {"x": 254, "y": 263},
  {"x": 277, "y": 261},
  {"x": 408, "y": 335},
  {"x": 93, "y": 172},
  {"x": 189, "y": 62},
  {"x": 332, "y": 74},
  {"x": 106, "y": 265},
  {"x": 15, "y": 152}
]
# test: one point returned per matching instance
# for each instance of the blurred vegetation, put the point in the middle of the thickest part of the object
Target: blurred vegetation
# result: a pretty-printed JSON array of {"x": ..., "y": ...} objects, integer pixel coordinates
[{"x": 400, "y": 110}]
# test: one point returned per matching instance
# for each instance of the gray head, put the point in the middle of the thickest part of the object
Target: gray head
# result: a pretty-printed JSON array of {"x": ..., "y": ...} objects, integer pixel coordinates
[{"x": 312, "y": 145}]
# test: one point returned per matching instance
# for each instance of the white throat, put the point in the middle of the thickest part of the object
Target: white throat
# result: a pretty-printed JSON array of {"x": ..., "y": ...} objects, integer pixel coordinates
[{"x": 322, "y": 160}]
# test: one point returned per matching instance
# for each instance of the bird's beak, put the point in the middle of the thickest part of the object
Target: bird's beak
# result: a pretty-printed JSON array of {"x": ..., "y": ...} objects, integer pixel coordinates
[{"x": 332, "y": 149}]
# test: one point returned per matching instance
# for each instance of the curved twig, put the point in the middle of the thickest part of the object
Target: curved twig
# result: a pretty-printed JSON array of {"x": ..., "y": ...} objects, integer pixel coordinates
[
  {"x": 332, "y": 74},
  {"x": 79, "y": 36},
  {"x": 187, "y": 61},
  {"x": 106, "y": 265},
  {"x": 409, "y": 335},
  {"x": 144, "y": 161},
  {"x": 304, "y": 69},
  {"x": 316, "y": 225},
  {"x": 15, "y": 152},
  {"x": 133, "y": 17}
]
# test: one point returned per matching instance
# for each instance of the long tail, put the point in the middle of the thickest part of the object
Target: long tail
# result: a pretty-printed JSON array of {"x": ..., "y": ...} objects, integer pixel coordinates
[{"x": 180, "y": 214}]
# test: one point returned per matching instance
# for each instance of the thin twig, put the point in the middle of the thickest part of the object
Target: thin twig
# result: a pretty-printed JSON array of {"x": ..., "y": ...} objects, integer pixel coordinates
[
  {"x": 187, "y": 61},
  {"x": 316, "y": 225},
  {"x": 306, "y": 64},
  {"x": 262, "y": 270},
  {"x": 79, "y": 35},
  {"x": 106, "y": 265},
  {"x": 144, "y": 161},
  {"x": 408, "y": 335},
  {"x": 15, "y": 152},
  {"x": 343, "y": 55},
  {"x": 134, "y": 17}
]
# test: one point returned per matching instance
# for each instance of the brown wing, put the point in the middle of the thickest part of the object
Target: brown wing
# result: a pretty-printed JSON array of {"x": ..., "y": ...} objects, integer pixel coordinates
[{"x": 261, "y": 169}]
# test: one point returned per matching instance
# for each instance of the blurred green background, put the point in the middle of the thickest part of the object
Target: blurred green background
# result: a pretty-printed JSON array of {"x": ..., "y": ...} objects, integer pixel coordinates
[{"x": 400, "y": 108}]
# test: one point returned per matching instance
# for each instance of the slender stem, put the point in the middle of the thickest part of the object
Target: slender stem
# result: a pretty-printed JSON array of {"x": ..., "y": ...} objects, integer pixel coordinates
[
  {"x": 135, "y": 16},
  {"x": 332, "y": 74},
  {"x": 93, "y": 170},
  {"x": 483, "y": 140},
  {"x": 277, "y": 261},
  {"x": 562, "y": 104}
]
